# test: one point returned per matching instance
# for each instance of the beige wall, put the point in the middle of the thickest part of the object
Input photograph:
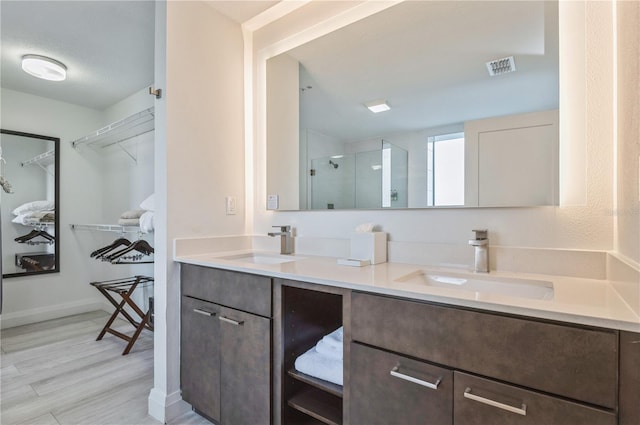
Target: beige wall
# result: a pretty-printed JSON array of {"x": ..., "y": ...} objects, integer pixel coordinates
[
  {"x": 199, "y": 161},
  {"x": 205, "y": 120},
  {"x": 627, "y": 211},
  {"x": 283, "y": 106}
]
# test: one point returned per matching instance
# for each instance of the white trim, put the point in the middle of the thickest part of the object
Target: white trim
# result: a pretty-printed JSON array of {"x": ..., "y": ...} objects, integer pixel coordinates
[
  {"x": 165, "y": 407},
  {"x": 273, "y": 14},
  {"x": 326, "y": 26},
  {"x": 25, "y": 317}
]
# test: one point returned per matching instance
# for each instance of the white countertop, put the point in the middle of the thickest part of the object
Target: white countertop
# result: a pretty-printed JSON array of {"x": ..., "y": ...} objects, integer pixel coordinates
[{"x": 575, "y": 300}]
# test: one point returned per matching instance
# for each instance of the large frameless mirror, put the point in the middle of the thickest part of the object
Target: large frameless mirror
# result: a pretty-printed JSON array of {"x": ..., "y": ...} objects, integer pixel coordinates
[
  {"x": 473, "y": 92},
  {"x": 29, "y": 198}
]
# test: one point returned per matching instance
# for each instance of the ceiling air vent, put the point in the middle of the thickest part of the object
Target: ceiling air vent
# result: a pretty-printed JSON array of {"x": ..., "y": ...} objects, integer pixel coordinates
[{"x": 501, "y": 66}]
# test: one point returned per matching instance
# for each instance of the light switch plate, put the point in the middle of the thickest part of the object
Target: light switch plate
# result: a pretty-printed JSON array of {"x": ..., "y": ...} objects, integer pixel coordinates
[
  {"x": 272, "y": 202},
  {"x": 230, "y": 203}
]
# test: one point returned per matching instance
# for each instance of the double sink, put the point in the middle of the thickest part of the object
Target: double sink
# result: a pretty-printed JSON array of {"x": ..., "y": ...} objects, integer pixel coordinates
[{"x": 469, "y": 282}]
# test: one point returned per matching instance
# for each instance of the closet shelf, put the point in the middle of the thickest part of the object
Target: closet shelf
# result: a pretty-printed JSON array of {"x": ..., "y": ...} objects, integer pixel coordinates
[
  {"x": 41, "y": 160},
  {"x": 115, "y": 228},
  {"x": 119, "y": 131}
]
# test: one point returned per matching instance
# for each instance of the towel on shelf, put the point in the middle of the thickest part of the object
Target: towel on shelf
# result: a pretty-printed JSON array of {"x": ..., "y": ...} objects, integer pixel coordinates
[
  {"x": 129, "y": 222},
  {"x": 324, "y": 360},
  {"x": 147, "y": 222},
  {"x": 44, "y": 216},
  {"x": 331, "y": 345},
  {"x": 320, "y": 366},
  {"x": 131, "y": 214},
  {"x": 36, "y": 217}
]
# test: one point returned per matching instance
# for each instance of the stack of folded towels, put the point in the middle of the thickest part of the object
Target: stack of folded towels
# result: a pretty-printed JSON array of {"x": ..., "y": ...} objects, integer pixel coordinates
[
  {"x": 143, "y": 217},
  {"x": 130, "y": 218},
  {"x": 36, "y": 212},
  {"x": 324, "y": 360}
]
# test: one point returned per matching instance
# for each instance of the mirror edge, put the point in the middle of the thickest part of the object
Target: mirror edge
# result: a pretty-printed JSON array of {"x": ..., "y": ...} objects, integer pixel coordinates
[{"x": 56, "y": 143}]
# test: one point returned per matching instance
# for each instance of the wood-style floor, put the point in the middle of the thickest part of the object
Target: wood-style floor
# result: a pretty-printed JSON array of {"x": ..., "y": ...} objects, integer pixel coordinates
[{"x": 56, "y": 373}]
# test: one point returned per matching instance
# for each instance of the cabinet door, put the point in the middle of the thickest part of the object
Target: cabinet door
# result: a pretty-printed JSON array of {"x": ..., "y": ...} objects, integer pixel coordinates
[
  {"x": 200, "y": 356},
  {"x": 479, "y": 401},
  {"x": 245, "y": 368},
  {"x": 389, "y": 389},
  {"x": 629, "y": 378}
]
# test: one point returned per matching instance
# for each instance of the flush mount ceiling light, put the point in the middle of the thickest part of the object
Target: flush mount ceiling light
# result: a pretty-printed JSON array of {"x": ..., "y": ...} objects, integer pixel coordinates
[
  {"x": 376, "y": 106},
  {"x": 44, "y": 67},
  {"x": 501, "y": 66}
]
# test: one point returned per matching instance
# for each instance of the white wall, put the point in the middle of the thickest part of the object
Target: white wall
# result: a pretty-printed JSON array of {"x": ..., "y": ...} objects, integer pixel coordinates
[
  {"x": 199, "y": 160},
  {"x": 96, "y": 186},
  {"x": 32, "y": 298},
  {"x": 587, "y": 226}
]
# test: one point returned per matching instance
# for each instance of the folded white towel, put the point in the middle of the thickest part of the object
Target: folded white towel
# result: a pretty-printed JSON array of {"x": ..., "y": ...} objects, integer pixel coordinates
[
  {"x": 131, "y": 214},
  {"x": 147, "y": 222},
  {"x": 331, "y": 345},
  {"x": 320, "y": 366}
]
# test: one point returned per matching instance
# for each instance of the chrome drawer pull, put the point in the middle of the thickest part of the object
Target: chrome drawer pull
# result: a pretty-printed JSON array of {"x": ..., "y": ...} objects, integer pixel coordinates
[
  {"x": 520, "y": 411},
  {"x": 203, "y": 312},
  {"x": 233, "y": 322},
  {"x": 395, "y": 372}
]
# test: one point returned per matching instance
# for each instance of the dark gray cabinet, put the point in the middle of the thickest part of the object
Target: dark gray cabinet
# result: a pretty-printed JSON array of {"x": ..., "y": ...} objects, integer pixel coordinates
[
  {"x": 629, "y": 378},
  {"x": 200, "y": 356},
  {"x": 506, "y": 369},
  {"x": 225, "y": 359},
  {"x": 389, "y": 389},
  {"x": 245, "y": 370},
  {"x": 479, "y": 401}
]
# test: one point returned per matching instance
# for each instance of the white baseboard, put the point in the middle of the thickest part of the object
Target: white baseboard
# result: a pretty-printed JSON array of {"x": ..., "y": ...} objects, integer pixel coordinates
[
  {"x": 165, "y": 407},
  {"x": 25, "y": 317}
]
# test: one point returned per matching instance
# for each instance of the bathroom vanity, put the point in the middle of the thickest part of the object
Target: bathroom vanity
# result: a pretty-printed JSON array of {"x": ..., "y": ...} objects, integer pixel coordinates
[{"x": 412, "y": 354}]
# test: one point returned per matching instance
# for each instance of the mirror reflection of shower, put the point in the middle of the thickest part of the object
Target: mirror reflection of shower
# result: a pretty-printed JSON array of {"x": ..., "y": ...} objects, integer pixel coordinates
[{"x": 363, "y": 179}]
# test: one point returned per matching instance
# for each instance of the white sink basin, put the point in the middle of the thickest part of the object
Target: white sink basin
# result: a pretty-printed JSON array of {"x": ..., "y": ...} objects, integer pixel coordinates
[
  {"x": 256, "y": 258},
  {"x": 512, "y": 287}
]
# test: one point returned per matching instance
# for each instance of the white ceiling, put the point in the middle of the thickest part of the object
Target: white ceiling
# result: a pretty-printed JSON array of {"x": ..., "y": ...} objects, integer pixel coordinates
[{"x": 107, "y": 47}]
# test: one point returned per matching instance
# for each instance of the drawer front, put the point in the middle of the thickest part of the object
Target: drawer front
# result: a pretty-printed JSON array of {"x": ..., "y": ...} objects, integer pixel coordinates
[
  {"x": 480, "y": 401},
  {"x": 407, "y": 397},
  {"x": 569, "y": 361},
  {"x": 241, "y": 291}
]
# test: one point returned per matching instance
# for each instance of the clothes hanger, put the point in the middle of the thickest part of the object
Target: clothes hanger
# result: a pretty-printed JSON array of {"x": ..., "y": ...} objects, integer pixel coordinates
[
  {"x": 34, "y": 234},
  {"x": 98, "y": 253},
  {"x": 26, "y": 237},
  {"x": 140, "y": 245}
]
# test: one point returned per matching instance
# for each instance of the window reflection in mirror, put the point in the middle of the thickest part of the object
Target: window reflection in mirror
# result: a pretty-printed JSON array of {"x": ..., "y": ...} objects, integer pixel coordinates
[
  {"x": 29, "y": 203},
  {"x": 445, "y": 170},
  {"x": 430, "y": 62}
]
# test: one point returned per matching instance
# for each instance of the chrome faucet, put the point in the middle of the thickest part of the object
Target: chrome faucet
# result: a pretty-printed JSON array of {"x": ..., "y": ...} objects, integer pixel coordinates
[
  {"x": 481, "y": 244},
  {"x": 286, "y": 241}
]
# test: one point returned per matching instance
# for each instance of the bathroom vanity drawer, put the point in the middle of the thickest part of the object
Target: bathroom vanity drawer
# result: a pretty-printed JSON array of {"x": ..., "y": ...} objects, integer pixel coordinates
[
  {"x": 241, "y": 291},
  {"x": 479, "y": 401},
  {"x": 574, "y": 362},
  {"x": 390, "y": 389}
]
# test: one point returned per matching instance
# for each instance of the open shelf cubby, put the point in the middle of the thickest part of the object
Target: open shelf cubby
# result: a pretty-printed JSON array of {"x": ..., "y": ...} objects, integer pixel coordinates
[{"x": 307, "y": 316}]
